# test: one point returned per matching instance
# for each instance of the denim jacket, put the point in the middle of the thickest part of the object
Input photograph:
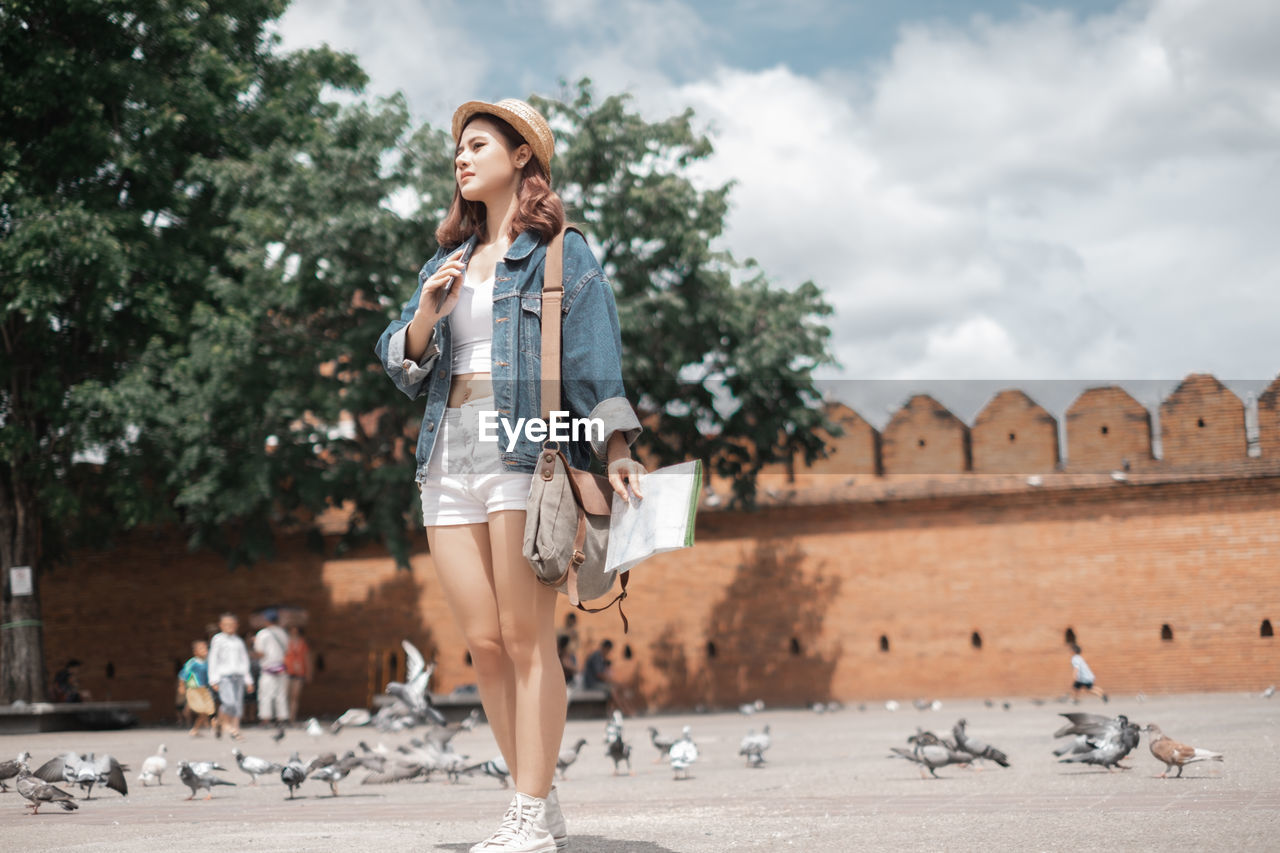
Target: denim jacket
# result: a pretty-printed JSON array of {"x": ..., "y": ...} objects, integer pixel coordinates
[{"x": 591, "y": 353}]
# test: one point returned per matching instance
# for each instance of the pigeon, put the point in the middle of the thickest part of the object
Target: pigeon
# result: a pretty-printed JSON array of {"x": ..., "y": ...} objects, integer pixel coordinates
[
  {"x": 85, "y": 771},
  {"x": 398, "y": 771},
  {"x": 568, "y": 756},
  {"x": 334, "y": 772},
  {"x": 153, "y": 768},
  {"x": 293, "y": 774},
  {"x": 313, "y": 727},
  {"x": 279, "y": 734},
  {"x": 351, "y": 717},
  {"x": 749, "y": 708},
  {"x": 891, "y": 705},
  {"x": 931, "y": 756},
  {"x": 753, "y": 747},
  {"x": 441, "y": 736},
  {"x": 195, "y": 781},
  {"x": 615, "y": 747},
  {"x": 11, "y": 768},
  {"x": 254, "y": 766},
  {"x": 413, "y": 693},
  {"x": 1269, "y": 692},
  {"x": 1172, "y": 753},
  {"x": 975, "y": 747},
  {"x": 683, "y": 753},
  {"x": 37, "y": 792},
  {"x": 495, "y": 768},
  {"x": 1099, "y": 740},
  {"x": 663, "y": 745},
  {"x": 202, "y": 767}
]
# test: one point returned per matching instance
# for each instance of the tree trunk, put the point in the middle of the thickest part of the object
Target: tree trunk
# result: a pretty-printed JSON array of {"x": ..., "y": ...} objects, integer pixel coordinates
[{"x": 21, "y": 631}]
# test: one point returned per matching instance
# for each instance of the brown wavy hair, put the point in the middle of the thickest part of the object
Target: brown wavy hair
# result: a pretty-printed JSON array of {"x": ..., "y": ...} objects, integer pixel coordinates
[{"x": 539, "y": 208}]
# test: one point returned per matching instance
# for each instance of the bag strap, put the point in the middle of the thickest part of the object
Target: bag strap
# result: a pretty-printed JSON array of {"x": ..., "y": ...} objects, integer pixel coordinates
[
  {"x": 552, "y": 297},
  {"x": 552, "y": 323}
]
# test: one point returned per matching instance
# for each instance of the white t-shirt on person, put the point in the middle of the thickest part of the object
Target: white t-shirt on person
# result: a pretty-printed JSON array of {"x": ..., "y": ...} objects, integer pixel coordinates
[{"x": 1083, "y": 673}]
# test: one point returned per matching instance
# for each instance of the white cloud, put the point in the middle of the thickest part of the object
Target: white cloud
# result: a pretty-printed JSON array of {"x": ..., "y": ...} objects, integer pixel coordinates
[
  {"x": 429, "y": 49},
  {"x": 1040, "y": 197}
]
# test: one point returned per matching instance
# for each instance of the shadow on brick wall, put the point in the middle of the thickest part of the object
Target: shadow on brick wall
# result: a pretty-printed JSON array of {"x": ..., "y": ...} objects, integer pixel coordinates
[{"x": 762, "y": 637}]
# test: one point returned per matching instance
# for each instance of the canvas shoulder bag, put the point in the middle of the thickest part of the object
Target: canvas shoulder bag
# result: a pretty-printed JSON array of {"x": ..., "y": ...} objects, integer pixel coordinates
[{"x": 566, "y": 530}]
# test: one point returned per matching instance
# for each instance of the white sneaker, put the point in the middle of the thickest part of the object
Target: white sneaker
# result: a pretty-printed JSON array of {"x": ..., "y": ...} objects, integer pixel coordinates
[
  {"x": 555, "y": 820},
  {"x": 505, "y": 829},
  {"x": 530, "y": 834}
]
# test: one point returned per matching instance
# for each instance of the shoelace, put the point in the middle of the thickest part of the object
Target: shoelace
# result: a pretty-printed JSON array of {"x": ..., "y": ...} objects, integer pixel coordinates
[
  {"x": 520, "y": 828},
  {"x": 506, "y": 830}
]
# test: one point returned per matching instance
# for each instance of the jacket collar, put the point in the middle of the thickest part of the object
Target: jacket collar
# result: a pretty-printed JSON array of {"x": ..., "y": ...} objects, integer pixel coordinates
[{"x": 524, "y": 244}]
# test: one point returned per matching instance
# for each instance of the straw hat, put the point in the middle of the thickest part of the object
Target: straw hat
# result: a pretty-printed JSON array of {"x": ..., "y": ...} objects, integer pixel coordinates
[{"x": 527, "y": 121}]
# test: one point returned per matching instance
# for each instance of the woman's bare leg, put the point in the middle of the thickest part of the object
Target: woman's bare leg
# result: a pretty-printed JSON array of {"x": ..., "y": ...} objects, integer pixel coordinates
[
  {"x": 526, "y": 610},
  {"x": 464, "y": 566}
]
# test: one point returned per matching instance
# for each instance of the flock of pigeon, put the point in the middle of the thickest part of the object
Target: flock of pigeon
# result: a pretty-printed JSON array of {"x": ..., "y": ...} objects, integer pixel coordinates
[
  {"x": 1093, "y": 739},
  {"x": 1088, "y": 739}
]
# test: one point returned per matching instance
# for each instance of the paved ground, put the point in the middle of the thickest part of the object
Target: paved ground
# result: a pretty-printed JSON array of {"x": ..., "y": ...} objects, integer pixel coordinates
[{"x": 828, "y": 786}]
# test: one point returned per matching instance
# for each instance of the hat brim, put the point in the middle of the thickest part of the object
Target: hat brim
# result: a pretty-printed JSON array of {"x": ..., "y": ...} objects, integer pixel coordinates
[{"x": 522, "y": 125}]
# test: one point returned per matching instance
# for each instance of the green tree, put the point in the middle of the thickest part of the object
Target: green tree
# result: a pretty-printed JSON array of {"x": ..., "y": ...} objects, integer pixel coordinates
[{"x": 113, "y": 116}]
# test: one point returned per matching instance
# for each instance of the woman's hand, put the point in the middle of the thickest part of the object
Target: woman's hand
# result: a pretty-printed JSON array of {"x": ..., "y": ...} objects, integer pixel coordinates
[
  {"x": 623, "y": 472},
  {"x": 448, "y": 272}
]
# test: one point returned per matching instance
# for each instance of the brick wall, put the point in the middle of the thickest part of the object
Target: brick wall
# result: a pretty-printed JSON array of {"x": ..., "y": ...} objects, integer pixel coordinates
[
  {"x": 1107, "y": 430},
  {"x": 923, "y": 437},
  {"x": 1014, "y": 434},
  {"x": 790, "y": 603},
  {"x": 794, "y": 599},
  {"x": 1202, "y": 424}
]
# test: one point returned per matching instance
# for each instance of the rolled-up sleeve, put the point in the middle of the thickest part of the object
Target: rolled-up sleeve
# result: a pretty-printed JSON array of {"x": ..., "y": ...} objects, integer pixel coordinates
[
  {"x": 408, "y": 375},
  {"x": 591, "y": 361}
]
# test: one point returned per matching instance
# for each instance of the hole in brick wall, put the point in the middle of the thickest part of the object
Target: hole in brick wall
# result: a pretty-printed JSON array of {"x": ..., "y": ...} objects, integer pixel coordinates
[
  {"x": 467, "y": 658},
  {"x": 320, "y": 663},
  {"x": 1104, "y": 430},
  {"x": 1070, "y": 637},
  {"x": 884, "y": 643},
  {"x": 795, "y": 646},
  {"x": 1200, "y": 422},
  {"x": 711, "y": 649},
  {"x": 626, "y": 652},
  {"x": 111, "y": 670},
  {"x": 1166, "y": 633},
  {"x": 1012, "y": 437},
  {"x": 975, "y": 640},
  {"x": 177, "y": 665},
  {"x": 920, "y": 442},
  {"x": 1265, "y": 630}
]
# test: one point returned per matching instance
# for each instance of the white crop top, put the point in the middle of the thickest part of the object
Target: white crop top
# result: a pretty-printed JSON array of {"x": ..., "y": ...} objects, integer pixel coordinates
[{"x": 471, "y": 326}]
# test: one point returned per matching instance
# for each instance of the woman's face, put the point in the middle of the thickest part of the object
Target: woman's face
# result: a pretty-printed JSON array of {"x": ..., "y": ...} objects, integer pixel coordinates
[{"x": 484, "y": 166}]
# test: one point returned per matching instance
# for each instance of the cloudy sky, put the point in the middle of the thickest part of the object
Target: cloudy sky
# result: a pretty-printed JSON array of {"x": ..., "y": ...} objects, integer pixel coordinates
[{"x": 1046, "y": 195}]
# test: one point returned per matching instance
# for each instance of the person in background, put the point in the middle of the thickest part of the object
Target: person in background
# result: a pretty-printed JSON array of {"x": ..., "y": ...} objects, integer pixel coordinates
[
  {"x": 66, "y": 684},
  {"x": 1084, "y": 679},
  {"x": 568, "y": 660},
  {"x": 229, "y": 674},
  {"x": 298, "y": 666},
  {"x": 193, "y": 686},
  {"x": 270, "y": 646},
  {"x": 597, "y": 675}
]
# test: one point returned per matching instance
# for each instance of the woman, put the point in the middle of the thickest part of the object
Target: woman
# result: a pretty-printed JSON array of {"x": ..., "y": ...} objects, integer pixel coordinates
[
  {"x": 298, "y": 665},
  {"x": 475, "y": 354}
]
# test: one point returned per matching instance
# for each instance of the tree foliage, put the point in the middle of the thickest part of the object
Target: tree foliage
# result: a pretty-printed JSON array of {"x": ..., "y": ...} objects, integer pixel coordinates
[{"x": 198, "y": 250}]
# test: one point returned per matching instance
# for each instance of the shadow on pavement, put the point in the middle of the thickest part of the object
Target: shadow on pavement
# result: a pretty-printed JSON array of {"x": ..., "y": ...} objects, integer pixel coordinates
[{"x": 594, "y": 843}]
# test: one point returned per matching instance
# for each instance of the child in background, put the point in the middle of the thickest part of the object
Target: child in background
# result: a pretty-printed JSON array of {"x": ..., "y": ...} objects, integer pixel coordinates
[{"x": 193, "y": 681}]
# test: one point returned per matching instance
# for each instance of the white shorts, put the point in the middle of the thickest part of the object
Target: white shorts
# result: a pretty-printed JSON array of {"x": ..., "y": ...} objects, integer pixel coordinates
[{"x": 465, "y": 477}]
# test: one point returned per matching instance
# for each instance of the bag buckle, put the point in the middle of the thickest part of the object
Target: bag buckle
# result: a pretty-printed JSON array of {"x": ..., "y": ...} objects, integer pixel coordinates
[{"x": 578, "y": 557}]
